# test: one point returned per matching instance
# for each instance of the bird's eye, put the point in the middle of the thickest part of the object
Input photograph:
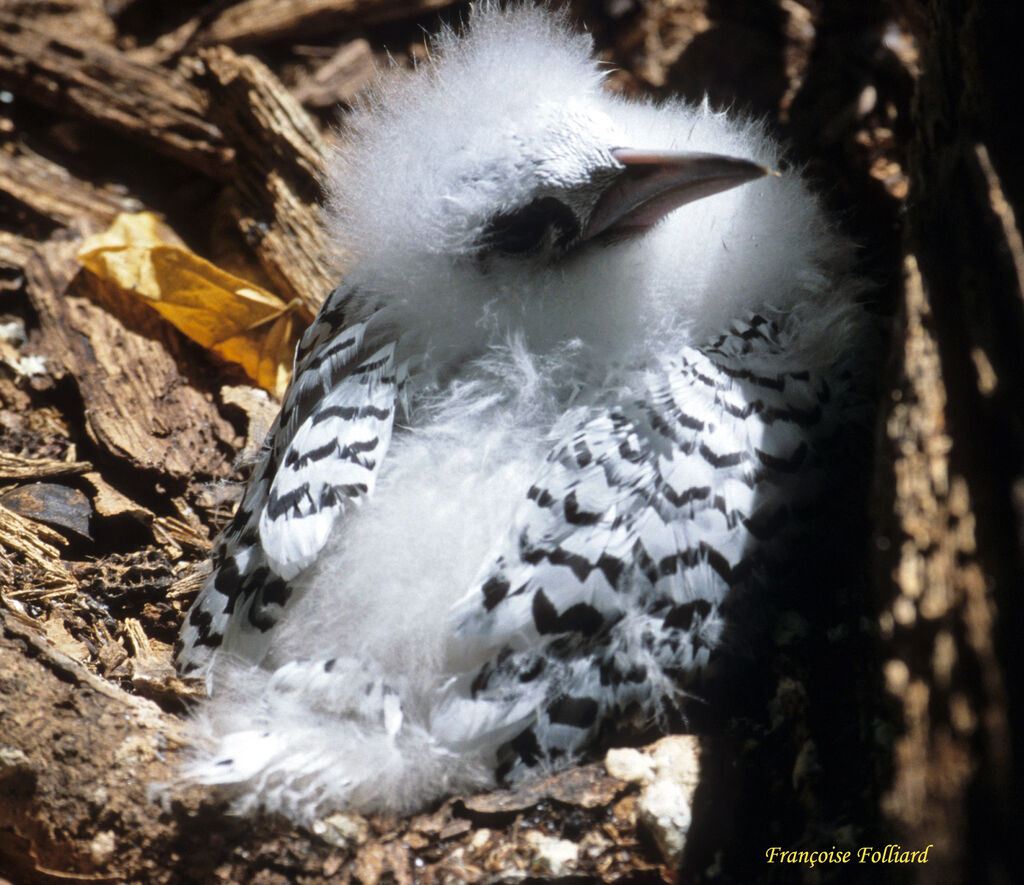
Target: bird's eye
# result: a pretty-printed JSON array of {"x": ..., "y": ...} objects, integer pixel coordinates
[{"x": 525, "y": 229}]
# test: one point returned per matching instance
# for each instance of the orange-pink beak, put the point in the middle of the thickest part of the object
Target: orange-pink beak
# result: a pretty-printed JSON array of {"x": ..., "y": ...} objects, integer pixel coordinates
[{"x": 654, "y": 183}]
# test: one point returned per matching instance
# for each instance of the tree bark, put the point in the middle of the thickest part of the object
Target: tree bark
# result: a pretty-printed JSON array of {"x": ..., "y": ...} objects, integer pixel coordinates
[{"x": 952, "y": 466}]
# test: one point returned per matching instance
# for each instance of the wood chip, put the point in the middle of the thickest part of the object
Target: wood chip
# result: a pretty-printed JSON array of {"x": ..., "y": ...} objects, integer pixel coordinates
[
  {"x": 279, "y": 163},
  {"x": 53, "y": 192},
  {"x": 37, "y": 546},
  {"x": 17, "y": 624},
  {"x": 108, "y": 501},
  {"x": 259, "y": 409},
  {"x": 191, "y": 582},
  {"x": 262, "y": 21},
  {"x": 14, "y": 250},
  {"x": 176, "y": 536},
  {"x": 61, "y": 507},
  {"x": 350, "y": 70},
  {"x": 86, "y": 19},
  {"x": 156, "y": 108},
  {"x": 142, "y": 650},
  {"x": 23, "y": 469},
  {"x": 137, "y": 404},
  {"x": 586, "y": 787},
  {"x": 55, "y": 631}
]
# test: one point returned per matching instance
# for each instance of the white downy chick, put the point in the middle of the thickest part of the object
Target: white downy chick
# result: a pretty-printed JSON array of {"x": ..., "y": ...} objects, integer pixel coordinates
[{"x": 576, "y": 396}]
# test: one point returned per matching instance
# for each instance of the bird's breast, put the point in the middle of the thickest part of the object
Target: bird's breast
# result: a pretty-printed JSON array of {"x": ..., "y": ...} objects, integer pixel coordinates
[{"x": 445, "y": 498}]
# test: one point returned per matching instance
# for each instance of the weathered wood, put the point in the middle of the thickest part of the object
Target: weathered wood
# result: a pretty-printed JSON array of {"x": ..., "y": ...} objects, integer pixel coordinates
[
  {"x": 108, "y": 501},
  {"x": 279, "y": 162},
  {"x": 106, "y": 744},
  {"x": 936, "y": 582},
  {"x": 53, "y": 192},
  {"x": 340, "y": 79},
  {"x": 15, "y": 467},
  {"x": 137, "y": 404},
  {"x": 30, "y": 563},
  {"x": 952, "y": 469},
  {"x": 88, "y": 20},
  {"x": 262, "y": 21},
  {"x": 154, "y": 107},
  {"x": 53, "y": 504},
  {"x": 15, "y": 251}
]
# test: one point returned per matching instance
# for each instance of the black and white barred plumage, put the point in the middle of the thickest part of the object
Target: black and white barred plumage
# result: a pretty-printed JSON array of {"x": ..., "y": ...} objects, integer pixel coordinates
[{"x": 577, "y": 400}]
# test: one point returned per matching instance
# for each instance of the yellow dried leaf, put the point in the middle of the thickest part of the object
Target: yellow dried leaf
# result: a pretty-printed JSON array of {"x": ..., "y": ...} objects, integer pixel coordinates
[{"x": 239, "y": 320}]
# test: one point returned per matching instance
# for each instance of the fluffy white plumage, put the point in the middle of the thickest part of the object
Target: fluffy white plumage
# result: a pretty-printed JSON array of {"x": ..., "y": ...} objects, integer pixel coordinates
[{"x": 526, "y": 460}]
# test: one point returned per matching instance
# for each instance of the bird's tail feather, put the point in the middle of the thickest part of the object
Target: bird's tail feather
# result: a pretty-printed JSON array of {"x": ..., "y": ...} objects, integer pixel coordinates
[{"x": 314, "y": 736}]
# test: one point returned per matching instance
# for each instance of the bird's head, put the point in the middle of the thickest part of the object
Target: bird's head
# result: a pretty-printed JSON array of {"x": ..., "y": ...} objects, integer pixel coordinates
[
  {"x": 502, "y": 172},
  {"x": 505, "y": 144}
]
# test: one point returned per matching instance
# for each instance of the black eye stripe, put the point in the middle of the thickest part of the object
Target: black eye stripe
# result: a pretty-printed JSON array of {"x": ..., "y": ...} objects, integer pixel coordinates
[{"x": 524, "y": 229}]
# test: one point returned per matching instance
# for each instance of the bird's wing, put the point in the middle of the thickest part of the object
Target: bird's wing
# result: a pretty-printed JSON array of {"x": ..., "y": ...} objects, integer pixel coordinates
[
  {"x": 320, "y": 458},
  {"x": 644, "y": 517}
]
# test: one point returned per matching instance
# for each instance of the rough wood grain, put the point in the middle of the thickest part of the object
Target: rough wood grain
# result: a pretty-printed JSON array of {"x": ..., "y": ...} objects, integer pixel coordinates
[
  {"x": 86, "y": 19},
  {"x": 340, "y": 79},
  {"x": 263, "y": 21},
  {"x": 279, "y": 162},
  {"x": 15, "y": 251},
  {"x": 30, "y": 564},
  {"x": 53, "y": 192},
  {"x": 953, "y": 466},
  {"x": 937, "y": 584},
  {"x": 15, "y": 467},
  {"x": 137, "y": 404},
  {"x": 84, "y": 747},
  {"x": 154, "y": 107}
]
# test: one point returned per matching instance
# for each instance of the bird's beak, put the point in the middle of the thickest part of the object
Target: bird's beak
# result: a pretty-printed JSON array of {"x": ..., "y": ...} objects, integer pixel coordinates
[{"x": 654, "y": 183}]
